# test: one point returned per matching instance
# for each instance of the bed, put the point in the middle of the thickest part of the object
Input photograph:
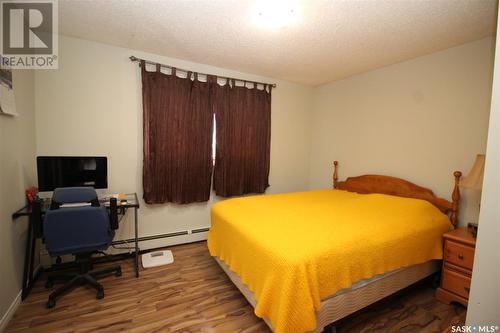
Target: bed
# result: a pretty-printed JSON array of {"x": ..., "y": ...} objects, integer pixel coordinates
[{"x": 305, "y": 260}]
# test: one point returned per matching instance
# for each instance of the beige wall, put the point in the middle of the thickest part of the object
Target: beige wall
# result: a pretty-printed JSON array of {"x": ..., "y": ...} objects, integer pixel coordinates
[
  {"x": 92, "y": 106},
  {"x": 17, "y": 172},
  {"x": 484, "y": 303},
  {"x": 420, "y": 120}
]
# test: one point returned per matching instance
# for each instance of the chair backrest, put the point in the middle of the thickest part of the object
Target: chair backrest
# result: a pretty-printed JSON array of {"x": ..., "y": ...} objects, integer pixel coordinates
[
  {"x": 74, "y": 194},
  {"x": 76, "y": 229}
]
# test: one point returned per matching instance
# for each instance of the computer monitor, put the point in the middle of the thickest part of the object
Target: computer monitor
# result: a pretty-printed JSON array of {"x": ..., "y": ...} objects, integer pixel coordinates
[{"x": 68, "y": 171}]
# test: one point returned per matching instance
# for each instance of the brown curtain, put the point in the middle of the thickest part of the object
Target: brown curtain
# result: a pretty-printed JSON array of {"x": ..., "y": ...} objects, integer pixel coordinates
[
  {"x": 178, "y": 124},
  {"x": 243, "y": 124}
]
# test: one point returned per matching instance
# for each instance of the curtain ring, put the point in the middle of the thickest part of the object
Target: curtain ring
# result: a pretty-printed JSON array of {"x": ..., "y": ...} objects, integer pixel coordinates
[
  {"x": 158, "y": 67},
  {"x": 173, "y": 71}
]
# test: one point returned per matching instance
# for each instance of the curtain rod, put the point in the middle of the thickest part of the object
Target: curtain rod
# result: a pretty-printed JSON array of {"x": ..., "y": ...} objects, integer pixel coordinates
[{"x": 135, "y": 59}]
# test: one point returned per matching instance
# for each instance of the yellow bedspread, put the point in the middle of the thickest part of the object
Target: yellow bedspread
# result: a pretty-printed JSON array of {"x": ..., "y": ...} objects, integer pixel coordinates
[{"x": 292, "y": 250}]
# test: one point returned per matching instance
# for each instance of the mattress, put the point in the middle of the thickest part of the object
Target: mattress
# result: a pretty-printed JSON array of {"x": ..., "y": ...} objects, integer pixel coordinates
[
  {"x": 350, "y": 300},
  {"x": 364, "y": 282},
  {"x": 294, "y": 250}
]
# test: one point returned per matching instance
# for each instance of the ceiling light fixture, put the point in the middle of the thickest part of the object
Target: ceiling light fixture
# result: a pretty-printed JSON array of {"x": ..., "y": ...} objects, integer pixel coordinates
[{"x": 275, "y": 14}]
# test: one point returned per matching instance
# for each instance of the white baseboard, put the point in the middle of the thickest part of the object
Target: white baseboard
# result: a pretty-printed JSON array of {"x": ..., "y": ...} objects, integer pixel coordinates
[{"x": 10, "y": 312}]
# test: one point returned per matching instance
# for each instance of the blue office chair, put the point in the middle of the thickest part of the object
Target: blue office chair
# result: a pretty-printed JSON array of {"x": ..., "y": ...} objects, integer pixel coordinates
[{"x": 80, "y": 231}]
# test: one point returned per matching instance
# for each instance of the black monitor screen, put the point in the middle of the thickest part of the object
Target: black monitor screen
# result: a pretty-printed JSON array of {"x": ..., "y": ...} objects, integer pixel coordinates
[{"x": 68, "y": 171}]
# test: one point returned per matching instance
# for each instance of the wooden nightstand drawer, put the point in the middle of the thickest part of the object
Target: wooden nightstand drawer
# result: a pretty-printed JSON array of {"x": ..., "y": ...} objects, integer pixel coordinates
[
  {"x": 456, "y": 283},
  {"x": 458, "y": 258},
  {"x": 459, "y": 254}
]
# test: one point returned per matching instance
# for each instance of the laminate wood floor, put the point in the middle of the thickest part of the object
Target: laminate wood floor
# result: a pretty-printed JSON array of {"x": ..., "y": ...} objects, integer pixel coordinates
[{"x": 194, "y": 295}]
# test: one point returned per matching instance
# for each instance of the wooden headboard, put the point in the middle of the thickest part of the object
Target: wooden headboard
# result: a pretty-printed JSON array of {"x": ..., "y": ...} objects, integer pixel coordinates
[{"x": 401, "y": 188}]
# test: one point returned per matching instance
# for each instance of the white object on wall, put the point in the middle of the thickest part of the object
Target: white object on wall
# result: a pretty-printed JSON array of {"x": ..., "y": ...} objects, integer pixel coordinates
[{"x": 7, "y": 101}]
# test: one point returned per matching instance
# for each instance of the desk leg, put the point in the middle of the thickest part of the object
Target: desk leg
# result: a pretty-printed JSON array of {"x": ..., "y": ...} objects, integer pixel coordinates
[
  {"x": 136, "y": 239},
  {"x": 28, "y": 260}
]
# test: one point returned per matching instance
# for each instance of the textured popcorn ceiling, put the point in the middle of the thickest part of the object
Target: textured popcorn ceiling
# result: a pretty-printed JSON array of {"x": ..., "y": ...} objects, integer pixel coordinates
[{"x": 331, "y": 39}]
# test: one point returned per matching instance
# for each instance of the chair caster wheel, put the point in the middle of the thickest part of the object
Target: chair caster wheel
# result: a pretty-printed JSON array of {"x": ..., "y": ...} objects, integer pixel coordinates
[
  {"x": 99, "y": 294},
  {"x": 118, "y": 272},
  {"x": 49, "y": 284},
  {"x": 50, "y": 303}
]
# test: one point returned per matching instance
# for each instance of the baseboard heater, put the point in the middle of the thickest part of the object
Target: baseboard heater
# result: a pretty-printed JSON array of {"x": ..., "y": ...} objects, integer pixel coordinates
[
  {"x": 160, "y": 236},
  {"x": 196, "y": 231},
  {"x": 119, "y": 256}
]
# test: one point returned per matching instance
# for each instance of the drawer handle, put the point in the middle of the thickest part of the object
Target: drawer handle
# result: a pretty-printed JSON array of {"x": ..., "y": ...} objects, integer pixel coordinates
[
  {"x": 461, "y": 256},
  {"x": 467, "y": 289}
]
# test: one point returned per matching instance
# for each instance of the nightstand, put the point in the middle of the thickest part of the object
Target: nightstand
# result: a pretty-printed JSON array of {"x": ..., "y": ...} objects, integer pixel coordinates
[{"x": 458, "y": 257}]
